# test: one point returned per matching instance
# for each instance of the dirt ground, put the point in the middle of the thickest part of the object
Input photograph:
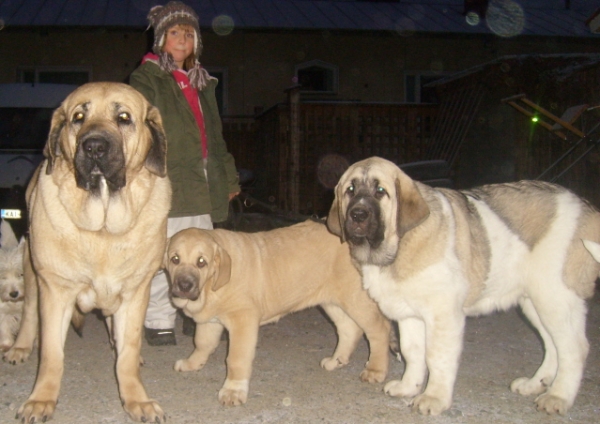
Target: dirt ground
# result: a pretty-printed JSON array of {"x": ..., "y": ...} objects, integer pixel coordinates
[{"x": 288, "y": 386}]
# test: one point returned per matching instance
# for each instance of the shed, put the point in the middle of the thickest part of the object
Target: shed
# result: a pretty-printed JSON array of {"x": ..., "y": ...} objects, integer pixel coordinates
[{"x": 499, "y": 143}]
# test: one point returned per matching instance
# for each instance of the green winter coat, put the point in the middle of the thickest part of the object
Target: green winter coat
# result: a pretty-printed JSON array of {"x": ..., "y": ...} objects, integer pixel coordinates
[{"x": 192, "y": 195}]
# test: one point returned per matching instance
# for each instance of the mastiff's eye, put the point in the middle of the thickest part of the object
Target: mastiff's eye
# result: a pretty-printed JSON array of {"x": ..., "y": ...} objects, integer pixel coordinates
[
  {"x": 175, "y": 259},
  {"x": 78, "y": 117},
  {"x": 380, "y": 192},
  {"x": 350, "y": 189},
  {"x": 124, "y": 118},
  {"x": 201, "y": 262}
]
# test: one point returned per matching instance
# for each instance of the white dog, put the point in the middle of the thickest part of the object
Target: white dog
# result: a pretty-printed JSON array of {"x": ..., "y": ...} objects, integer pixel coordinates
[
  {"x": 431, "y": 257},
  {"x": 11, "y": 285}
]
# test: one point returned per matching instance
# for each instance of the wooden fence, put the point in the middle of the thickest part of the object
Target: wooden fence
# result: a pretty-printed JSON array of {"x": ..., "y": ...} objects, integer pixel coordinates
[
  {"x": 285, "y": 156},
  {"x": 398, "y": 132}
]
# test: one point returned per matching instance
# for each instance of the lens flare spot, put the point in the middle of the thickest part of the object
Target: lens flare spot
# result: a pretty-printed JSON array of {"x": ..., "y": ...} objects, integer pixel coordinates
[
  {"x": 405, "y": 27},
  {"x": 473, "y": 18},
  {"x": 223, "y": 25},
  {"x": 505, "y": 18}
]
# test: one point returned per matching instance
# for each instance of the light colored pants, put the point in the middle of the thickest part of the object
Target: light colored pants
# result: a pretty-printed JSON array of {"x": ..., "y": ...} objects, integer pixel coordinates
[{"x": 161, "y": 313}]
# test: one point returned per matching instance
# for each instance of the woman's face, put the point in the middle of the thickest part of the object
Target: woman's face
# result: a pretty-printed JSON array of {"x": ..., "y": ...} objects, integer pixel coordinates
[{"x": 179, "y": 43}]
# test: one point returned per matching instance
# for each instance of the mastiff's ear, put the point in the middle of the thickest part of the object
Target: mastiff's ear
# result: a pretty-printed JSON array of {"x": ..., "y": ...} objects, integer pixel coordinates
[
  {"x": 156, "y": 160},
  {"x": 52, "y": 148},
  {"x": 222, "y": 268},
  {"x": 412, "y": 209},
  {"x": 336, "y": 217},
  {"x": 165, "y": 262}
]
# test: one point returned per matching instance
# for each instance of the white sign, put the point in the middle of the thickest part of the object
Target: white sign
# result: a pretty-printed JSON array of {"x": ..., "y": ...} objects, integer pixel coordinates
[{"x": 11, "y": 214}]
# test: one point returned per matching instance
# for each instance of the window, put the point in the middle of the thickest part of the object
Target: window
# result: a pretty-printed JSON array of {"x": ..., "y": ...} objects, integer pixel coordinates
[
  {"x": 415, "y": 90},
  {"x": 221, "y": 91},
  {"x": 317, "y": 77},
  {"x": 54, "y": 75}
]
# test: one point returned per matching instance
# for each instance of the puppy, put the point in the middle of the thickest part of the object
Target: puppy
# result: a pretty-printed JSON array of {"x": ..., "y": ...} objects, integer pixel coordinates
[
  {"x": 240, "y": 281},
  {"x": 431, "y": 257},
  {"x": 11, "y": 285}
]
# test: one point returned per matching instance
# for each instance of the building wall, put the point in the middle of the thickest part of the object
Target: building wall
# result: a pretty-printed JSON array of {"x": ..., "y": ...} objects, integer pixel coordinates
[{"x": 260, "y": 65}]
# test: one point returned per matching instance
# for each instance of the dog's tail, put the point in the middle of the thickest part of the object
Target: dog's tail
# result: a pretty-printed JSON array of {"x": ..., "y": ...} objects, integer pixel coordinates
[{"x": 593, "y": 248}]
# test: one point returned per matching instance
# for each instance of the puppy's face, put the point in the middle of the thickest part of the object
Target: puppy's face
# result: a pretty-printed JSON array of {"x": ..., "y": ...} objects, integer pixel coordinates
[
  {"x": 12, "y": 288},
  {"x": 375, "y": 205},
  {"x": 194, "y": 260},
  {"x": 103, "y": 130}
]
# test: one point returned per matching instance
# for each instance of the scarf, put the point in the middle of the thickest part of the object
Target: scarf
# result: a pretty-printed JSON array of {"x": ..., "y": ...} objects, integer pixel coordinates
[{"x": 190, "y": 93}]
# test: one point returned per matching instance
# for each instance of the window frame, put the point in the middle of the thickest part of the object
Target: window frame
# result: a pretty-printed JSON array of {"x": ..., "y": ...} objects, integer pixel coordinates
[
  {"x": 334, "y": 69},
  {"x": 418, "y": 86},
  {"x": 38, "y": 70}
]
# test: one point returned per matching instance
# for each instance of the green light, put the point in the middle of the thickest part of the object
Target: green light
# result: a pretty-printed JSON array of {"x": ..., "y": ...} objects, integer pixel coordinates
[{"x": 535, "y": 119}]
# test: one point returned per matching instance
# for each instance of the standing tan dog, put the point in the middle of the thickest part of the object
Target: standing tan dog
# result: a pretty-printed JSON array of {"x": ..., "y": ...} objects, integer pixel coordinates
[
  {"x": 240, "y": 281},
  {"x": 98, "y": 207},
  {"x": 430, "y": 257}
]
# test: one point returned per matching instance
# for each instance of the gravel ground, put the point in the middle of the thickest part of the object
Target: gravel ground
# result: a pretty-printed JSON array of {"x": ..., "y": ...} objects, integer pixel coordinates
[{"x": 288, "y": 386}]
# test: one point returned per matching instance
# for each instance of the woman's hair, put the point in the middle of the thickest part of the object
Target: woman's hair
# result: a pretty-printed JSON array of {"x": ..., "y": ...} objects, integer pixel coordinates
[{"x": 190, "y": 61}]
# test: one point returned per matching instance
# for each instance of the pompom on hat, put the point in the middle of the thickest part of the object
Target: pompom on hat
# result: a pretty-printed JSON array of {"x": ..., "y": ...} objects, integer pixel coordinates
[{"x": 162, "y": 18}]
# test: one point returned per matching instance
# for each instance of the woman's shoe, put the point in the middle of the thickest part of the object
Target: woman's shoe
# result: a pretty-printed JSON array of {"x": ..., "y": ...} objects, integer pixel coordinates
[{"x": 160, "y": 337}]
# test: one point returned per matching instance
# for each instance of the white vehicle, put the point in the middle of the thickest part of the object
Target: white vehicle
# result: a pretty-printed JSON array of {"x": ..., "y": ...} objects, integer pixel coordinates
[{"x": 25, "y": 113}]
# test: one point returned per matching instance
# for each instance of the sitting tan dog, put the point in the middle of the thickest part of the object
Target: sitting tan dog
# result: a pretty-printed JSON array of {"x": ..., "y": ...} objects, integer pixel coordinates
[
  {"x": 12, "y": 288},
  {"x": 240, "y": 281}
]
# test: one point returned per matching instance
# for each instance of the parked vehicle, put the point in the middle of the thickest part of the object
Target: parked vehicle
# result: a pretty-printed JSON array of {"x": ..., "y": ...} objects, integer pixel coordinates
[{"x": 25, "y": 114}]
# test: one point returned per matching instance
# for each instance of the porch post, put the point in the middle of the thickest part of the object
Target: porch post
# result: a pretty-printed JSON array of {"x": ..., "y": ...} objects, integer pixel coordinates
[{"x": 294, "y": 171}]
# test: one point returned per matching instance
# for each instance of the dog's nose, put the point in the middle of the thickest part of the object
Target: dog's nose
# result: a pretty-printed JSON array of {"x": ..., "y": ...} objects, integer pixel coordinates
[
  {"x": 185, "y": 284},
  {"x": 95, "y": 148},
  {"x": 359, "y": 214},
  {"x": 14, "y": 294}
]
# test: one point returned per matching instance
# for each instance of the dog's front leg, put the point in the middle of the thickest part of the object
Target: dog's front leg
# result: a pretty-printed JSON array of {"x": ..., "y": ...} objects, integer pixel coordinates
[
  {"x": 8, "y": 323},
  {"x": 412, "y": 347},
  {"x": 56, "y": 307},
  {"x": 243, "y": 335},
  {"x": 444, "y": 337},
  {"x": 25, "y": 340},
  {"x": 206, "y": 340},
  {"x": 128, "y": 321}
]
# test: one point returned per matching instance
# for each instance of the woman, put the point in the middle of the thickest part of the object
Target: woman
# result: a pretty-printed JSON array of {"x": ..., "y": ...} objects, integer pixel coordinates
[{"x": 201, "y": 170}]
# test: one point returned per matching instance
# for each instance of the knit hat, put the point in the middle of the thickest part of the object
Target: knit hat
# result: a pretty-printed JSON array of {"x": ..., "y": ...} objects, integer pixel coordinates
[{"x": 162, "y": 18}]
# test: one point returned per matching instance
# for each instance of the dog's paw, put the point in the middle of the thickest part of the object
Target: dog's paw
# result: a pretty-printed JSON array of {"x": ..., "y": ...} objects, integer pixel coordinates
[
  {"x": 372, "y": 376},
  {"x": 5, "y": 346},
  {"x": 184, "y": 365},
  {"x": 551, "y": 404},
  {"x": 34, "y": 411},
  {"x": 16, "y": 355},
  {"x": 429, "y": 405},
  {"x": 146, "y": 412},
  {"x": 234, "y": 393},
  {"x": 526, "y": 386},
  {"x": 330, "y": 363},
  {"x": 399, "y": 388}
]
